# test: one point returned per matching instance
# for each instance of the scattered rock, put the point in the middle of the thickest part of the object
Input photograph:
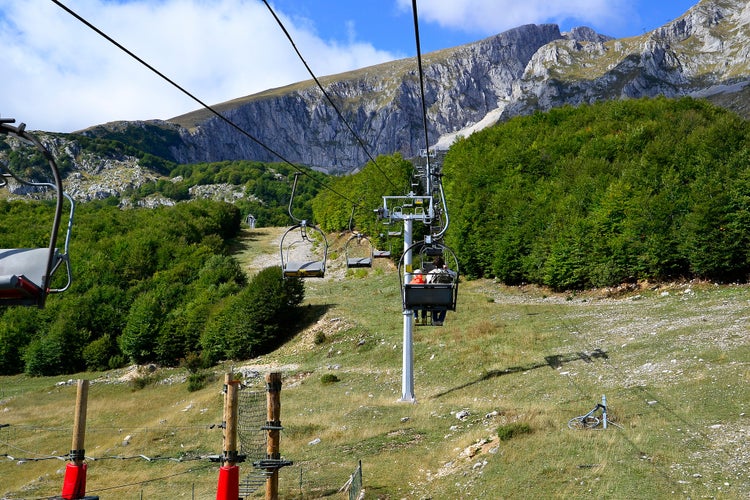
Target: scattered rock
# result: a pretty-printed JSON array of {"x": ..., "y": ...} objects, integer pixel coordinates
[{"x": 462, "y": 415}]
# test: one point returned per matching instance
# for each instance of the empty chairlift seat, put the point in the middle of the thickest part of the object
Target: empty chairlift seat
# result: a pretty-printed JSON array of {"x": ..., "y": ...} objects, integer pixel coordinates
[
  {"x": 359, "y": 252},
  {"x": 296, "y": 248},
  {"x": 301, "y": 256},
  {"x": 381, "y": 254},
  {"x": 23, "y": 275},
  {"x": 302, "y": 269}
]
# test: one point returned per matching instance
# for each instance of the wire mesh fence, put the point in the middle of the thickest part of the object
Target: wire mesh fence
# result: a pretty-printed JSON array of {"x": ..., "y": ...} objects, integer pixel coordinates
[
  {"x": 251, "y": 417},
  {"x": 252, "y": 438}
]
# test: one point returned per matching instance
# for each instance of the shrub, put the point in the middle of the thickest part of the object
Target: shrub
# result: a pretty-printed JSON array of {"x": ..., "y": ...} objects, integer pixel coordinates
[
  {"x": 256, "y": 320},
  {"x": 320, "y": 338},
  {"x": 329, "y": 378},
  {"x": 197, "y": 381},
  {"x": 99, "y": 352}
]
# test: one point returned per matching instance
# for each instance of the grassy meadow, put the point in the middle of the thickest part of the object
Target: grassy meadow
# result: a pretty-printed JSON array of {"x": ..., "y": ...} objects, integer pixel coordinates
[{"x": 515, "y": 364}]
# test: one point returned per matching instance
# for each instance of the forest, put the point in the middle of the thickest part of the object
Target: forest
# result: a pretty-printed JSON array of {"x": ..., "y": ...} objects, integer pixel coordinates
[
  {"x": 598, "y": 195},
  {"x": 589, "y": 196},
  {"x": 150, "y": 285}
]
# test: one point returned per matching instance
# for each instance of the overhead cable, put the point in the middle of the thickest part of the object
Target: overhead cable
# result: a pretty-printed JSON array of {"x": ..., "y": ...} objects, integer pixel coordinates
[
  {"x": 428, "y": 168},
  {"x": 325, "y": 93},
  {"x": 194, "y": 98},
  {"x": 421, "y": 88}
]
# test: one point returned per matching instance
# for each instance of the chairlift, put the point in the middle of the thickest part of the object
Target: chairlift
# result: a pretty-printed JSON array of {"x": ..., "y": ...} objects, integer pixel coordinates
[
  {"x": 382, "y": 214},
  {"x": 359, "y": 251},
  {"x": 393, "y": 220},
  {"x": 26, "y": 274},
  {"x": 296, "y": 244},
  {"x": 440, "y": 292},
  {"x": 382, "y": 254}
]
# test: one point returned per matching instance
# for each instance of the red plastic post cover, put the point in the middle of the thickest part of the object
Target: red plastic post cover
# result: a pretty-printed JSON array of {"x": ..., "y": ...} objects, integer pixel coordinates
[
  {"x": 229, "y": 483},
  {"x": 74, "y": 485}
]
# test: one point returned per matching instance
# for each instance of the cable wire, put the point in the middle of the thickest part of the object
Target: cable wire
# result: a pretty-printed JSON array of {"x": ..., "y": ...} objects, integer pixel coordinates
[
  {"x": 325, "y": 93},
  {"x": 193, "y": 97},
  {"x": 428, "y": 168},
  {"x": 422, "y": 92}
]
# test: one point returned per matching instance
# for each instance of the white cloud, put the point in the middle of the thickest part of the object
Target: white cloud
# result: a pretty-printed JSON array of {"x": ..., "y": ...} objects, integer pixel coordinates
[
  {"x": 59, "y": 75},
  {"x": 494, "y": 16}
]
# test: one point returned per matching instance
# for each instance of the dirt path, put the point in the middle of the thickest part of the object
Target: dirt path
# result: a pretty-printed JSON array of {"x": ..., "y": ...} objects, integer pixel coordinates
[{"x": 259, "y": 248}]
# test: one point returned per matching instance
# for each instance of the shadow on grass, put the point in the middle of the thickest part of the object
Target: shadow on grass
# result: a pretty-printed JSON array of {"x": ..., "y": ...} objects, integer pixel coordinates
[
  {"x": 308, "y": 316},
  {"x": 554, "y": 361},
  {"x": 242, "y": 242}
]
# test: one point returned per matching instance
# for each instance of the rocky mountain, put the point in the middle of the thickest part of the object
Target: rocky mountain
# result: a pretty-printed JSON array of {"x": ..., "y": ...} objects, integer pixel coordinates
[{"x": 703, "y": 53}]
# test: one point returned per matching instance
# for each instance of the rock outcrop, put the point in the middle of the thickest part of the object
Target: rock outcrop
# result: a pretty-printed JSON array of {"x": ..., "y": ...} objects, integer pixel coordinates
[
  {"x": 381, "y": 103},
  {"x": 702, "y": 53}
]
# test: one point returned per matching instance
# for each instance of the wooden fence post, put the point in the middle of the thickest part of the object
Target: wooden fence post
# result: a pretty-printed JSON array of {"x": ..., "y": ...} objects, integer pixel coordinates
[
  {"x": 74, "y": 484},
  {"x": 229, "y": 473},
  {"x": 273, "y": 403}
]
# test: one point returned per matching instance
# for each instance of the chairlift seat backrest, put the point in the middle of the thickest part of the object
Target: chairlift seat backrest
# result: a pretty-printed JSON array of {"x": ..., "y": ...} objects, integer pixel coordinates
[
  {"x": 430, "y": 296},
  {"x": 23, "y": 275}
]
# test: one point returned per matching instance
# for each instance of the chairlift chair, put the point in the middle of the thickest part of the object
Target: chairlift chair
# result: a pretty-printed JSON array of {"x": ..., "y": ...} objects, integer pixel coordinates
[
  {"x": 393, "y": 220},
  {"x": 359, "y": 251},
  {"x": 296, "y": 267},
  {"x": 26, "y": 274},
  {"x": 292, "y": 266},
  {"x": 382, "y": 254},
  {"x": 435, "y": 295}
]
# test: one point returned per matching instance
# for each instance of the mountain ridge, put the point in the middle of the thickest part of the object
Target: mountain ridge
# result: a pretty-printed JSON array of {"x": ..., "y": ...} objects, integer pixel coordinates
[
  {"x": 703, "y": 53},
  {"x": 520, "y": 71}
]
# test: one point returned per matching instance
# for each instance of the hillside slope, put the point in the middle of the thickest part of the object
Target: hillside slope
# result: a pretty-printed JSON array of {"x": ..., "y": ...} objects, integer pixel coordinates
[{"x": 495, "y": 389}]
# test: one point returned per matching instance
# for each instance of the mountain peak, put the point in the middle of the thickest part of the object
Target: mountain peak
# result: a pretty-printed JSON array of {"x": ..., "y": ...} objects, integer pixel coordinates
[{"x": 532, "y": 67}]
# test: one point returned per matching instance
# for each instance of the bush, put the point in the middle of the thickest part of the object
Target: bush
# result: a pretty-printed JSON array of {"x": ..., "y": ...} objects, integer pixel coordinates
[
  {"x": 320, "y": 338},
  {"x": 329, "y": 378},
  {"x": 197, "y": 381},
  {"x": 256, "y": 320},
  {"x": 99, "y": 352}
]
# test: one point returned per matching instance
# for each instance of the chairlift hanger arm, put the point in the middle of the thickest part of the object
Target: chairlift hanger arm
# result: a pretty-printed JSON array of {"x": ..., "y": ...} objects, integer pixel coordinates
[
  {"x": 291, "y": 198},
  {"x": 444, "y": 229}
]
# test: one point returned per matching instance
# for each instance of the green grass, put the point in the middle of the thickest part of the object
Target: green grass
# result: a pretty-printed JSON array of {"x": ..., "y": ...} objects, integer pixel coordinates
[{"x": 521, "y": 361}]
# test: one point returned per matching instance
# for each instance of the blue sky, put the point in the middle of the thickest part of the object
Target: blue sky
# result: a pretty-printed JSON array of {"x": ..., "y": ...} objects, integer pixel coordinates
[{"x": 58, "y": 75}]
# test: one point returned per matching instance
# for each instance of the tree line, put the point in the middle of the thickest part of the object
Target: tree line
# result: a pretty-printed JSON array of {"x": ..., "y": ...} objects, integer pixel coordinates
[
  {"x": 576, "y": 197},
  {"x": 150, "y": 285},
  {"x": 601, "y": 194}
]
